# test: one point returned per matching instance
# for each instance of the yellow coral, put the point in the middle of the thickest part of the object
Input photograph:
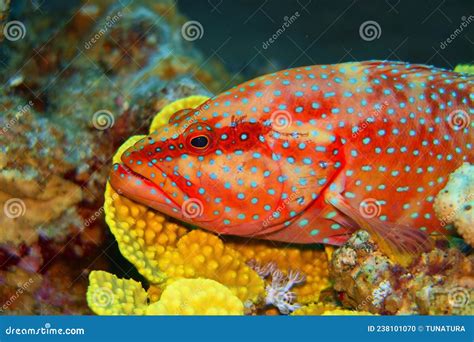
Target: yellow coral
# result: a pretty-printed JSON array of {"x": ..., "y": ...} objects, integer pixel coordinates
[
  {"x": 109, "y": 295},
  {"x": 310, "y": 262},
  {"x": 342, "y": 312},
  {"x": 314, "y": 309},
  {"x": 196, "y": 297},
  {"x": 164, "y": 115},
  {"x": 465, "y": 68}
]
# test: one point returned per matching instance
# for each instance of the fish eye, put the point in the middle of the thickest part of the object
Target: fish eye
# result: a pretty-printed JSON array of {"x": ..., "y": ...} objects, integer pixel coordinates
[{"x": 200, "y": 141}]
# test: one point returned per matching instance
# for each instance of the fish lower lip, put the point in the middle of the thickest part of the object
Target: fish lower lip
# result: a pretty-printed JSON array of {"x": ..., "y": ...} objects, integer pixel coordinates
[{"x": 136, "y": 176}]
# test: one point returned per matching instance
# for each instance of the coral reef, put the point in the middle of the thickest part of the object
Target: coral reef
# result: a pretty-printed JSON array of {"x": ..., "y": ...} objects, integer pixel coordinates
[
  {"x": 311, "y": 262},
  {"x": 196, "y": 297},
  {"x": 438, "y": 282},
  {"x": 314, "y": 309},
  {"x": 455, "y": 203},
  {"x": 68, "y": 101},
  {"x": 65, "y": 113},
  {"x": 109, "y": 295},
  {"x": 278, "y": 291}
]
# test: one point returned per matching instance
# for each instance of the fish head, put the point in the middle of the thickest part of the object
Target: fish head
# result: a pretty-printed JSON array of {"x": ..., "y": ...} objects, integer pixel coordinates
[
  {"x": 228, "y": 174},
  {"x": 195, "y": 169}
]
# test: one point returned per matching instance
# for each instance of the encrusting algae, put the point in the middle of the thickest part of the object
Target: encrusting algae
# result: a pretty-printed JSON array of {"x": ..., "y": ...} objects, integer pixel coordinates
[
  {"x": 167, "y": 253},
  {"x": 455, "y": 203}
]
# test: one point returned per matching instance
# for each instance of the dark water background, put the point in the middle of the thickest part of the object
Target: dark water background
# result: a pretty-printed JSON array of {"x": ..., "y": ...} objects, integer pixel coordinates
[{"x": 327, "y": 31}]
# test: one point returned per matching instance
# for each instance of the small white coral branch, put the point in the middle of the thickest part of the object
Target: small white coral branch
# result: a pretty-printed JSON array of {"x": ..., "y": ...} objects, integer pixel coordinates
[
  {"x": 262, "y": 270},
  {"x": 278, "y": 291}
]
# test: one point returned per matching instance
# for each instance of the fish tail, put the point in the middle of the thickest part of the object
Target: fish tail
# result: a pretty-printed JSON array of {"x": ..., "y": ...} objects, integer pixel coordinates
[{"x": 465, "y": 69}]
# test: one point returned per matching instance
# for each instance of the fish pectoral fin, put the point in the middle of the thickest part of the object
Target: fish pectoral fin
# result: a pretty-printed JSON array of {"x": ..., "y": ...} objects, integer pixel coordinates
[{"x": 400, "y": 242}]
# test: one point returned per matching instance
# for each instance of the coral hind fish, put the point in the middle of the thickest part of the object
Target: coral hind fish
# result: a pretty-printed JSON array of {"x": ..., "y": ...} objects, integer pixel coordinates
[{"x": 308, "y": 155}]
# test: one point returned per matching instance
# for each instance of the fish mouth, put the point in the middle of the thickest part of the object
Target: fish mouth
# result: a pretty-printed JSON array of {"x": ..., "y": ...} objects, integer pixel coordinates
[{"x": 138, "y": 188}]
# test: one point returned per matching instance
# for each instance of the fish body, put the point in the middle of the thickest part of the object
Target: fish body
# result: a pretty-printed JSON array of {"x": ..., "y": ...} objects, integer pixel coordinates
[{"x": 308, "y": 155}]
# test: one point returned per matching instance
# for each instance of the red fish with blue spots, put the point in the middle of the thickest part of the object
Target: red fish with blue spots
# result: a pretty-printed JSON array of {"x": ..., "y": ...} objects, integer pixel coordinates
[{"x": 308, "y": 155}]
